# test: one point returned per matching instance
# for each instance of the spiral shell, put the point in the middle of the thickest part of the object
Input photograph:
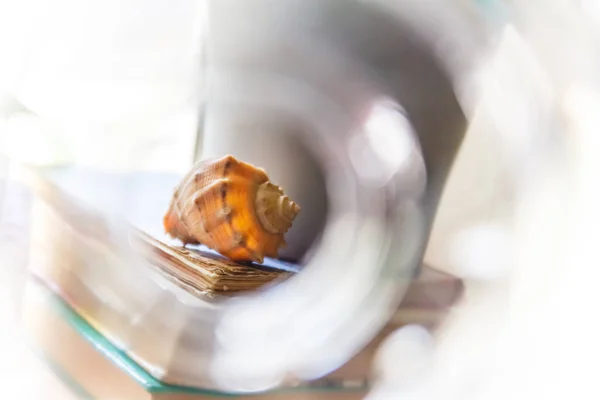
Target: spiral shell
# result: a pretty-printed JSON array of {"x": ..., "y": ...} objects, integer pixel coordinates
[{"x": 231, "y": 207}]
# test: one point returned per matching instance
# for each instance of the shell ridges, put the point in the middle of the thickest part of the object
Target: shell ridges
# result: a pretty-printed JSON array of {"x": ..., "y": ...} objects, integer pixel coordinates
[{"x": 232, "y": 207}]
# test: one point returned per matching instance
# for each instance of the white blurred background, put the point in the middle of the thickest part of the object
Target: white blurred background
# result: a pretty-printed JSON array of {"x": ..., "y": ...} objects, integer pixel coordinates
[
  {"x": 114, "y": 84},
  {"x": 108, "y": 84}
]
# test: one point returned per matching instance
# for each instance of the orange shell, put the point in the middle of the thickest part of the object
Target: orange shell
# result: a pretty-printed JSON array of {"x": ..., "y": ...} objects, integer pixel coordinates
[{"x": 231, "y": 207}]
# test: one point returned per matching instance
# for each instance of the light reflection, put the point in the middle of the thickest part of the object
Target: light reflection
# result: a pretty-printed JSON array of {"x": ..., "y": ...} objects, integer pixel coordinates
[
  {"x": 390, "y": 136},
  {"x": 385, "y": 147}
]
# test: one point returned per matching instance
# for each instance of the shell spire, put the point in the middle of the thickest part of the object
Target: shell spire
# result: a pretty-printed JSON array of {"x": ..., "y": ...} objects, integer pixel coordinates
[
  {"x": 231, "y": 207},
  {"x": 274, "y": 209}
]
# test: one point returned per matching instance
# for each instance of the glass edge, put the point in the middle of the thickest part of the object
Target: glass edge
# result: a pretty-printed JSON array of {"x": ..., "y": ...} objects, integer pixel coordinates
[{"x": 133, "y": 369}]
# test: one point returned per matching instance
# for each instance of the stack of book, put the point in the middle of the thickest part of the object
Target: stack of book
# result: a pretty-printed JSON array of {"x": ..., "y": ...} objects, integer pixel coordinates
[
  {"x": 203, "y": 273},
  {"x": 132, "y": 330}
]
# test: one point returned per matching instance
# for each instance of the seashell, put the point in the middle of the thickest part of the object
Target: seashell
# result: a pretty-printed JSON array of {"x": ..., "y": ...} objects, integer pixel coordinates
[{"x": 231, "y": 207}]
